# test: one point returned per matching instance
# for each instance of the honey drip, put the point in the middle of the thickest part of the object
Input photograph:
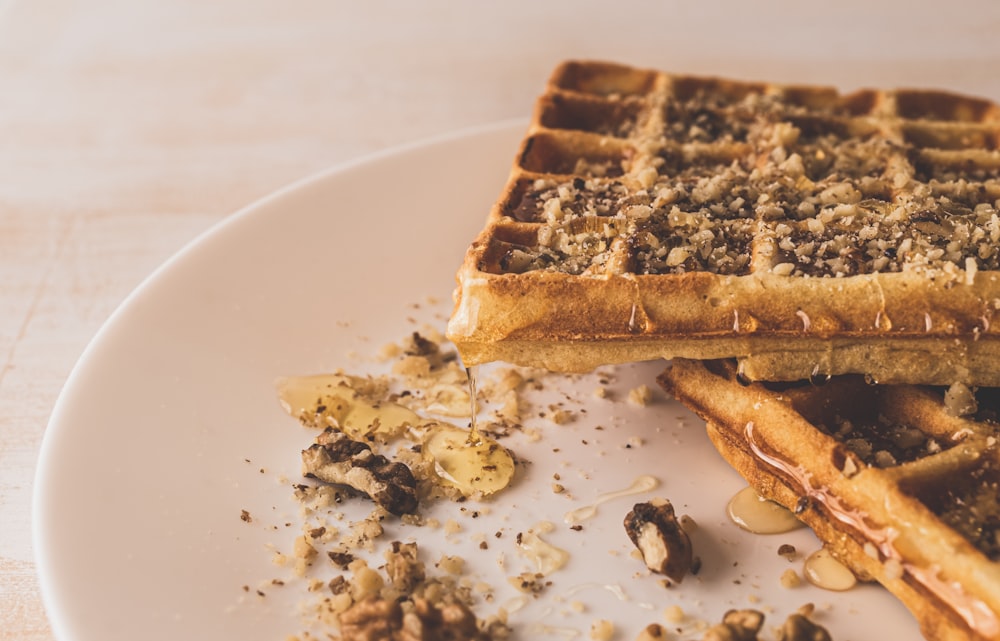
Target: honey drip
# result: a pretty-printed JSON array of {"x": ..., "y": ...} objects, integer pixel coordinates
[
  {"x": 470, "y": 461},
  {"x": 473, "y": 374}
]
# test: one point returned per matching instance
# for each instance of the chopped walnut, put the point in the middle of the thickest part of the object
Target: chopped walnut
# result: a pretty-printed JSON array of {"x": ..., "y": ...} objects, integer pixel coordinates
[
  {"x": 340, "y": 559},
  {"x": 799, "y": 628},
  {"x": 641, "y": 395},
  {"x": 406, "y": 605},
  {"x": 790, "y": 579},
  {"x": 745, "y": 625},
  {"x": 335, "y": 458},
  {"x": 665, "y": 546},
  {"x": 528, "y": 582},
  {"x": 652, "y": 632},
  {"x": 339, "y": 585},
  {"x": 420, "y": 620},
  {"x": 403, "y": 568},
  {"x": 737, "y": 625},
  {"x": 439, "y": 622},
  {"x": 365, "y": 581},
  {"x": 602, "y": 630},
  {"x": 371, "y": 620}
]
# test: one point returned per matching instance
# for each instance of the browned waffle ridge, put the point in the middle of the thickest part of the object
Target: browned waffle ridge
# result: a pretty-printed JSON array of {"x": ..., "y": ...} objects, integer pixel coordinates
[
  {"x": 897, "y": 487},
  {"x": 800, "y": 229}
]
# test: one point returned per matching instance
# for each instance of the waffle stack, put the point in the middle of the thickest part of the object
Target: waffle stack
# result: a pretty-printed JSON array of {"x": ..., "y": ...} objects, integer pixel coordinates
[
  {"x": 843, "y": 248},
  {"x": 803, "y": 231},
  {"x": 897, "y": 486}
]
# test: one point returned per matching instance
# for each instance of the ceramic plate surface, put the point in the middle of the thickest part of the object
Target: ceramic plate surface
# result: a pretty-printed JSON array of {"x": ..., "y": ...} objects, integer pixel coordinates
[{"x": 169, "y": 429}]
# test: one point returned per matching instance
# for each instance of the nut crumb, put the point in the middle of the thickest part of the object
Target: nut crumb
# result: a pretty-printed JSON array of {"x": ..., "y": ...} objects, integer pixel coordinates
[
  {"x": 674, "y": 614},
  {"x": 454, "y": 565},
  {"x": 641, "y": 395},
  {"x": 652, "y": 632},
  {"x": 737, "y": 625},
  {"x": 602, "y": 630},
  {"x": 799, "y": 628},
  {"x": 529, "y": 582},
  {"x": 790, "y": 579}
]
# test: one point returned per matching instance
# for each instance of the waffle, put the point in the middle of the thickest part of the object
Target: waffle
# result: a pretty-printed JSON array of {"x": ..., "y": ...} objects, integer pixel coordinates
[
  {"x": 896, "y": 485},
  {"x": 802, "y": 230}
]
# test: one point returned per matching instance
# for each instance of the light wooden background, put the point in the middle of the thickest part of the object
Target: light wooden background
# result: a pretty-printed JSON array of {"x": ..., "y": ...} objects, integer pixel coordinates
[{"x": 127, "y": 127}]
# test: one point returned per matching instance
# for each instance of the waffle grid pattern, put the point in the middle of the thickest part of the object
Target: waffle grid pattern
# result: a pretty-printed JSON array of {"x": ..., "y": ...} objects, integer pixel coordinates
[
  {"x": 799, "y": 229},
  {"x": 628, "y": 171}
]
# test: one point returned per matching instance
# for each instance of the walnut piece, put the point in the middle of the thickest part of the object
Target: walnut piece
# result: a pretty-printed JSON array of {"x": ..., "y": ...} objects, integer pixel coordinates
[
  {"x": 745, "y": 625},
  {"x": 799, "y": 628},
  {"x": 376, "y": 619},
  {"x": 371, "y": 620},
  {"x": 652, "y": 632},
  {"x": 656, "y": 532},
  {"x": 737, "y": 625},
  {"x": 439, "y": 622},
  {"x": 336, "y": 458},
  {"x": 404, "y": 569}
]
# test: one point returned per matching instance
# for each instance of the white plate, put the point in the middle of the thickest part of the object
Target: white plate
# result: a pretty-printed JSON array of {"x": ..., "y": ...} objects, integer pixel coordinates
[{"x": 168, "y": 428}]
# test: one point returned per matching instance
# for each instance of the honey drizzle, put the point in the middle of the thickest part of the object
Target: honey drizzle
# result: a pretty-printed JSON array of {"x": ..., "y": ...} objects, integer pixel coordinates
[
  {"x": 975, "y": 613},
  {"x": 642, "y": 483},
  {"x": 473, "y": 374},
  {"x": 546, "y": 557}
]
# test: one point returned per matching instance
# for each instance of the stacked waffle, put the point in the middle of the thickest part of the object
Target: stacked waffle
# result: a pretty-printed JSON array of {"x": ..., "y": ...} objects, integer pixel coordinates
[
  {"x": 802, "y": 235},
  {"x": 897, "y": 486},
  {"x": 803, "y": 231}
]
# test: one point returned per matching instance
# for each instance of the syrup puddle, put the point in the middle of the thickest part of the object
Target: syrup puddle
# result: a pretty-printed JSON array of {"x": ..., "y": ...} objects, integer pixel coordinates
[
  {"x": 469, "y": 460},
  {"x": 756, "y": 514},
  {"x": 641, "y": 484},
  {"x": 334, "y": 400},
  {"x": 546, "y": 557},
  {"x": 481, "y": 466},
  {"x": 824, "y": 571}
]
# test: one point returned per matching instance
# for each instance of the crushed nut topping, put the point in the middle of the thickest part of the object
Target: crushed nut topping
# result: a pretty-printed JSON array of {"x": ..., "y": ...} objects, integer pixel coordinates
[{"x": 736, "y": 178}]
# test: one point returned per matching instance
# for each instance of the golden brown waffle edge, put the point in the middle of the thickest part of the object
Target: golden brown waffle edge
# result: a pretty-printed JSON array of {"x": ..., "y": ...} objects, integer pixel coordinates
[
  {"x": 897, "y": 488},
  {"x": 803, "y": 230}
]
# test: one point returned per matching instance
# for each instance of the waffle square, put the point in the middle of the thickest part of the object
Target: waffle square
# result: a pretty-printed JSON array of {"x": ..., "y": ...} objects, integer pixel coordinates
[
  {"x": 900, "y": 482},
  {"x": 804, "y": 231}
]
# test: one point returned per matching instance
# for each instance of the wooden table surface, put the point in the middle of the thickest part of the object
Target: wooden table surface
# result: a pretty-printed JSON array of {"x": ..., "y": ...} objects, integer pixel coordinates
[{"x": 129, "y": 127}]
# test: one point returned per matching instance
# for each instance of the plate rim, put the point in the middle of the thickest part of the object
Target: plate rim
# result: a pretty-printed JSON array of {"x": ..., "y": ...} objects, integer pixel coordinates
[{"x": 45, "y": 572}]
